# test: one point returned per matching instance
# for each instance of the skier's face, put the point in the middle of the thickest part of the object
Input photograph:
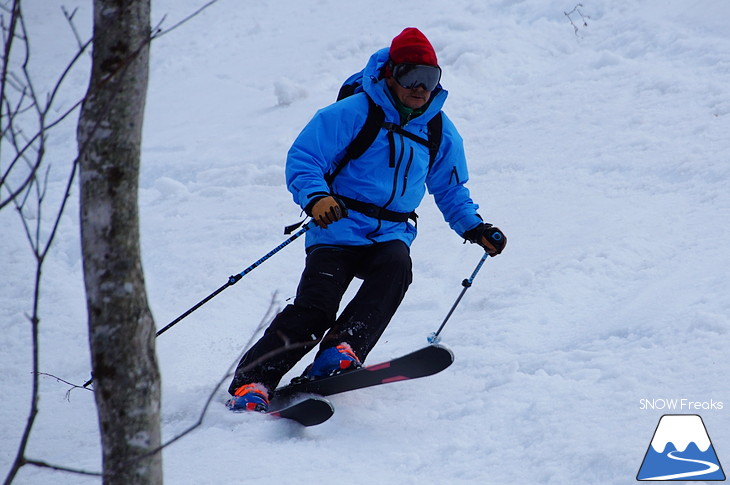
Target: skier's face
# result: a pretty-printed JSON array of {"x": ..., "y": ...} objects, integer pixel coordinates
[{"x": 413, "y": 98}]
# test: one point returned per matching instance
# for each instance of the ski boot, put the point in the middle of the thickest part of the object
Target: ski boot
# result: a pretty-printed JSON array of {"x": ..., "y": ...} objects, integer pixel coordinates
[
  {"x": 332, "y": 361},
  {"x": 250, "y": 397}
]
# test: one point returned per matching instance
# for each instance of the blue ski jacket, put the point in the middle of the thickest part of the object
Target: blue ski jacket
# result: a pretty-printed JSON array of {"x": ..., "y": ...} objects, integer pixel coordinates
[{"x": 395, "y": 180}]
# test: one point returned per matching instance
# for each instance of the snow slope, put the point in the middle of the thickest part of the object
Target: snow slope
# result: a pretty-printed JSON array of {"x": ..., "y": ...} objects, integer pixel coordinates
[{"x": 602, "y": 153}]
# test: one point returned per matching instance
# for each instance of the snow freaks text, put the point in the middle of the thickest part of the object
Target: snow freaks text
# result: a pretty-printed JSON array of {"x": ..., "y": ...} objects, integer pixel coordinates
[{"x": 679, "y": 404}]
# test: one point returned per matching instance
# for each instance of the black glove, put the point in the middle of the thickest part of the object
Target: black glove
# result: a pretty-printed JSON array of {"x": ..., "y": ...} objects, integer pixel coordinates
[
  {"x": 487, "y": 236},
  {"x": 327, "y": 210}
]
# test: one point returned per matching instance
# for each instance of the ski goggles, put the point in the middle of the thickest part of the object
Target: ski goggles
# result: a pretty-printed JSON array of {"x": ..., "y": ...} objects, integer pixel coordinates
[{"x": 411, "y": 76}]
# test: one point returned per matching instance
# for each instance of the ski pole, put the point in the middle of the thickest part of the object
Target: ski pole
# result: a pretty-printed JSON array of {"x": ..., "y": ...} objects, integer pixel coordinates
[
  {"x": 434, "y": 338},
  {"x": 232, "y": 280}
]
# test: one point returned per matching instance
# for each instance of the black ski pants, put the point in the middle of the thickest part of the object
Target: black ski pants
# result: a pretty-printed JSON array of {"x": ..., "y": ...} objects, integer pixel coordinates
[{"x": 386, "y": 271}]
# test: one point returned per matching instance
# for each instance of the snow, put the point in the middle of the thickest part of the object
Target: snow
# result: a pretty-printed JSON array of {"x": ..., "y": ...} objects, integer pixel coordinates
[{"x": 602, "y": 153}]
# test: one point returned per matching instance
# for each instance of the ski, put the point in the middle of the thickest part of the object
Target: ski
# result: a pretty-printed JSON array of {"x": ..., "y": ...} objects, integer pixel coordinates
[
  {"x": 423, "y": 362},
  {"x": 307, "y": 411}
]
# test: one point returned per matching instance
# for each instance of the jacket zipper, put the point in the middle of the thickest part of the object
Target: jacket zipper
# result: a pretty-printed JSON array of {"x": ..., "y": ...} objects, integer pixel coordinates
[
  {"x": 395, "y": 175},
  {"x": 408, "y": 169}
]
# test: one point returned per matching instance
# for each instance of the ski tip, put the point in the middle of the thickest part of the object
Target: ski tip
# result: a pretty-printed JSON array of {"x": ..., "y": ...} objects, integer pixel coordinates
[
  {"x": 442, "y": 349},
  {"x": 307, "y": 410}
]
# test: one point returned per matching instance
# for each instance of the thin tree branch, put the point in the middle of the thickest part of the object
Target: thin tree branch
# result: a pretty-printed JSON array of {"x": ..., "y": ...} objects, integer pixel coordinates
[
  {"x": 43, "y": 464},
  {"x": 70, "y": 20},
  {"x": 185, "y": 20}
]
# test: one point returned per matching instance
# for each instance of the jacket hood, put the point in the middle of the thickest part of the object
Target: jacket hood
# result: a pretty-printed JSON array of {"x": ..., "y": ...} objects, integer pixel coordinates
[{"x": 378, "y": 90}]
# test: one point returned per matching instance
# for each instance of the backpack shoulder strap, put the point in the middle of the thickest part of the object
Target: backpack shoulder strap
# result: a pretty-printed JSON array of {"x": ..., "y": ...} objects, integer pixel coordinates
[
  {"x": 435, "y": 130},
  {"x": 362, "y": 141}
]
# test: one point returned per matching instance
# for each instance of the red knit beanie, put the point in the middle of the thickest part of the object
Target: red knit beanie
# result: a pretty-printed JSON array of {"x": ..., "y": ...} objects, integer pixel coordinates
[{"x": 411, "y": 46}]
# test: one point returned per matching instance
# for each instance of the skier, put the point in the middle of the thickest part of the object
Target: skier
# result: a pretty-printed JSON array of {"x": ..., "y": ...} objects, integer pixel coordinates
[{"x": 363, "y": 209}]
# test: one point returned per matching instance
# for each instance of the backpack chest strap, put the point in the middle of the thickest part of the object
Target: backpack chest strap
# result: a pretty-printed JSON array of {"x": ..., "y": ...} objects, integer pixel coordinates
[{"x": 392, "y": 127}]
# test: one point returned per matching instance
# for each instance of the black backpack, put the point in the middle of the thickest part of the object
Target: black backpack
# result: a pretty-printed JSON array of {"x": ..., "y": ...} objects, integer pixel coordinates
[{"x": 374, "y": 122}]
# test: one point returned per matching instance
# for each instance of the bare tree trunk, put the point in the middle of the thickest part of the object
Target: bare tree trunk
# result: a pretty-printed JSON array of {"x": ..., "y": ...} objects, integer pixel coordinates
[{"x": 121, "y": 327}]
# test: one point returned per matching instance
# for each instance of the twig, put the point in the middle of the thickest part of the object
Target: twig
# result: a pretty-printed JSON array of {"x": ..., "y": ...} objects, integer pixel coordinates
[
  {"x": 58, "y": 468},
  {"x": 70, "y": 20},
  {"x": 582, "y": 16}
]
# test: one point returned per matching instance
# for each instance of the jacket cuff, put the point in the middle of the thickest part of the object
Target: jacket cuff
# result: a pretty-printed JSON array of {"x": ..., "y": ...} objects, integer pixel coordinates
[
  {"x": 312, "y": 199},
  {"x": 466, "y": 224}
]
